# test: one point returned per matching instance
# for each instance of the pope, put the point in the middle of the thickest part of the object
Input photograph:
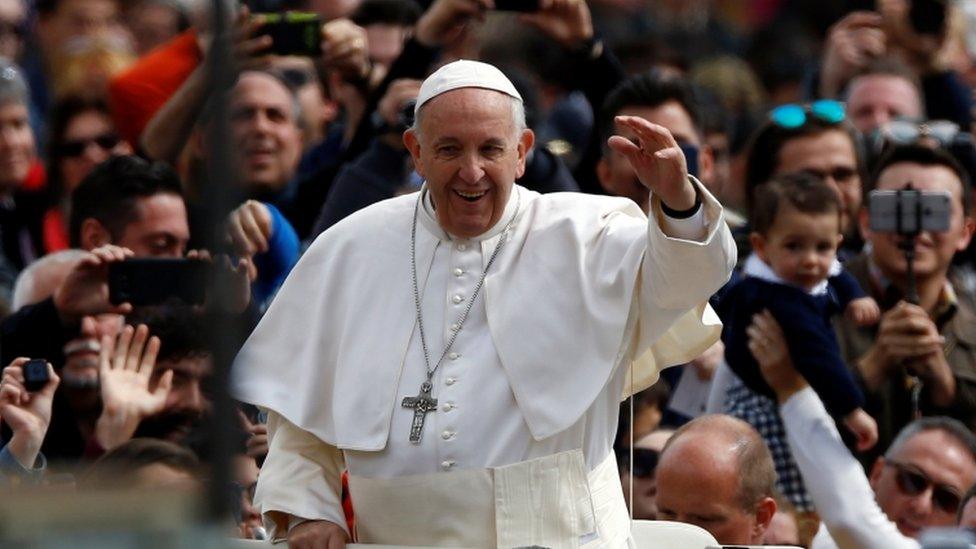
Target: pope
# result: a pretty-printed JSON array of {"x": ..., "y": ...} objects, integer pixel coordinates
[{"x": 462, "y": 351}]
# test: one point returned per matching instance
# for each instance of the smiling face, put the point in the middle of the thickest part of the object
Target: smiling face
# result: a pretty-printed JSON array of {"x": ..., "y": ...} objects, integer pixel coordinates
[
  {"x": 941, "y": 459},
  {"x": 799, "y": 246},
  {"x": 470, "y": 151},
  {"x": 16, "y": 145},
  {"x": 265, "y": 132},
  {"x": 933, "y": 251}
]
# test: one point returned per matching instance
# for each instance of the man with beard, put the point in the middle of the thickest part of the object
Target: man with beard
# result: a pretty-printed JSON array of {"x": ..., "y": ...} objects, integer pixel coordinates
[{"x": 153, "y": 387}]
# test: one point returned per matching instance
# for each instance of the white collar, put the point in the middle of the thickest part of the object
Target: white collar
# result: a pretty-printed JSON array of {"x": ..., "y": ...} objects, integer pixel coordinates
[
  {"x": 758, "y": 268},
  {"x": 428, "y": 217}
]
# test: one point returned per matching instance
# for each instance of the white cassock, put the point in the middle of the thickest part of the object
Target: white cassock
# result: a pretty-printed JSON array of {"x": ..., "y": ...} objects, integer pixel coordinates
[{"x": 585, "y": 303}]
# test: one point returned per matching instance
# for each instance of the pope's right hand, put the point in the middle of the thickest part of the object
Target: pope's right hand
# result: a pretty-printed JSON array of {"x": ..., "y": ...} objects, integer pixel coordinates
[{"x": 317, "y": 534}]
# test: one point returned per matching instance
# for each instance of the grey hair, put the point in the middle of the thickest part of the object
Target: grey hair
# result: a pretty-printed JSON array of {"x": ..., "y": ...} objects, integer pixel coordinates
[
  {"x": 13, "y": 86},
  {"x": 518, "y": 115},
  {"x": 950, "y": 426},
  {"x": 26, "y": 287}
]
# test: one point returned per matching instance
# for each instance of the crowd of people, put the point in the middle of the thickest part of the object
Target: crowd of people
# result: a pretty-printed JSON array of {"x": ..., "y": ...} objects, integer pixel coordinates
[{"x": 837, "y": 409}]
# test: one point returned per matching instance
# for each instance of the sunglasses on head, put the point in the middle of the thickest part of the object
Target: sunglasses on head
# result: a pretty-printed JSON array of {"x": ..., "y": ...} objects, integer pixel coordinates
[
  {"x": 794, "y": 115},
  {"x": 76, "y": 147},
  {"x": 904, "y": 132},
  {"x": 913, "y": 482}
]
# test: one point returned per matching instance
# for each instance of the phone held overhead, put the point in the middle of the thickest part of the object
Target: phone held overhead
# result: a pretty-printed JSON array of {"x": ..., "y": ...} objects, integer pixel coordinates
[{"x": 150, "y": 281}]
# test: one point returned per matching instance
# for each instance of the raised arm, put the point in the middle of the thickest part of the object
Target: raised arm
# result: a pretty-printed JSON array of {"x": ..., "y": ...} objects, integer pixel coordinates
[{"x": 840, "y": 490}]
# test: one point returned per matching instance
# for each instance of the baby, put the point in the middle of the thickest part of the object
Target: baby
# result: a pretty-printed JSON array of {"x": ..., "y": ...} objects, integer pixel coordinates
[{"x": 794, "y": 273}]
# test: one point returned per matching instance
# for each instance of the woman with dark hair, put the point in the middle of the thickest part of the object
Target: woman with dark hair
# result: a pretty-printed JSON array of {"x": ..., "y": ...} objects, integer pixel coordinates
[{"x": 82, "y": 136}]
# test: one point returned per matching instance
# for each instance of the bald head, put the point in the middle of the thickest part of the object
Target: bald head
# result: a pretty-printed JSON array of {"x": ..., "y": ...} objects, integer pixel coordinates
[
  {"x": 41, "y": 278},
  {"x": 717, "y": 473}
]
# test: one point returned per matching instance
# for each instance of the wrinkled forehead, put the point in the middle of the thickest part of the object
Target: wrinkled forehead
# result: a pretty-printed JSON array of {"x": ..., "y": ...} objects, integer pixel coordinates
[{"x": 940, "y": 456}]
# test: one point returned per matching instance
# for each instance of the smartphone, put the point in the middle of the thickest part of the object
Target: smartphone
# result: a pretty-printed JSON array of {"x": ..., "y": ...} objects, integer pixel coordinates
[
  {"x": 928, "y": 16},
  {"x": 517, "y": 5},
  {"x": 292, "y": 33},
  {"x": 35, "y": 374},
  {"x": 150, "y": 281},
  {"x": 909, "y": 212}
]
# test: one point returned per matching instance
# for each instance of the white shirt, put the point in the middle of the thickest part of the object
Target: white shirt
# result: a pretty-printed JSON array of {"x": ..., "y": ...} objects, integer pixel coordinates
[{"x": 840, "y": 490}]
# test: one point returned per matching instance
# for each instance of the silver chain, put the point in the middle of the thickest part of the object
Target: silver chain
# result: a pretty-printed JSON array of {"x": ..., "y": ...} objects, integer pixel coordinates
[{"x": 481, "y": 282}]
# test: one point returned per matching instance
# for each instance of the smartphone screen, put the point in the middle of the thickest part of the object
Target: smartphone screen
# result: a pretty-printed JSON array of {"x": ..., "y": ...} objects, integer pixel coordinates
[
  {"x": 150, "y": 281},
  {"x": 293, "y": 33},
  {"x": 517, "y": 5}
]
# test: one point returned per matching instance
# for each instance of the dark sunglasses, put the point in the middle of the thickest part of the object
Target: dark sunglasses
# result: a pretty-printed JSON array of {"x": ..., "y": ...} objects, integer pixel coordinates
[
  {"x": 8, "y": 28},
  {"x": 76, "y": 147},
  {"x": 913, "y": 482},
  {"x": 793, "y": 115},
  {"x": 297, "y": 78},
  {"x": 645, "y": 462}
]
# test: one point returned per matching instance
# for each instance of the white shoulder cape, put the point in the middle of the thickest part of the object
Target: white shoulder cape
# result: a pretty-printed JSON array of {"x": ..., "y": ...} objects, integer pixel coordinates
[{"x": 566, "y": 300}]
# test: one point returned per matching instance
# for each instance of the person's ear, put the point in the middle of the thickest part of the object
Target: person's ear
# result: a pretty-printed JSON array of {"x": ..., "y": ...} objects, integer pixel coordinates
[
  {"x": 526, "y": 140},
  {"x": 764, "y": 515},
  {"x": 412, "y": 143},
  {"x": 864, "y": 222},
  {"x": 706, "y": 169},
  {"x": 968, "y": 226},
  {"x": 93, "y": 234},
  {"x": 758, "y": 243}
]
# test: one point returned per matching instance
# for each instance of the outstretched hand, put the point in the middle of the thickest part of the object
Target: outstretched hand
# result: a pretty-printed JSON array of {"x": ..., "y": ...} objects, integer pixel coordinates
[
  {"x": 125, "y": 371},
  {"x": 657, "y": 160}
]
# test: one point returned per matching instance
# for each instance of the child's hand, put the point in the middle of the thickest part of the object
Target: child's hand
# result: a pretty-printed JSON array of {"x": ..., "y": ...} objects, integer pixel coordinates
[
  {"x": 864, "y": 427},
  {"x": 864, "y": 311}
]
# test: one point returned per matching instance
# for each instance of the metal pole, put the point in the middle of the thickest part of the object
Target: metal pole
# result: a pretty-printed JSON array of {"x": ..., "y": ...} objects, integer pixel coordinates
[{"x": 220, "y": 195}]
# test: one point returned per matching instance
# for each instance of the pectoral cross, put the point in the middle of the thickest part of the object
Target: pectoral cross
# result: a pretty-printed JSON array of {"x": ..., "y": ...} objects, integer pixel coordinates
[{"x": 421, "y": 404}]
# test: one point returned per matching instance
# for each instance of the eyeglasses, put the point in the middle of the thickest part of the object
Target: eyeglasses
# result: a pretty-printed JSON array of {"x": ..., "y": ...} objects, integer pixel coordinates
[
  {"x": 793, "y": 115},
  {"x": 913, "y": 482},
  {"x": 76, "y": 147},
  {"x": 906, "y": 132}
]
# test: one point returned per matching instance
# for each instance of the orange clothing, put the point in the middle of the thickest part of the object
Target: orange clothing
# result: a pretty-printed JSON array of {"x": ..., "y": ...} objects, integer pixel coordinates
[{"x": 138, "y": 92}]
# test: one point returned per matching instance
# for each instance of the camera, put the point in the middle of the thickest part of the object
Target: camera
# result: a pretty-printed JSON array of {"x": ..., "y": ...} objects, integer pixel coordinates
[
  {"x": 928, "y": 16},
  {"x": 35, "y": 374},
  {"x": 151, "y": 281},
  {"x": 908, "y": 212}
]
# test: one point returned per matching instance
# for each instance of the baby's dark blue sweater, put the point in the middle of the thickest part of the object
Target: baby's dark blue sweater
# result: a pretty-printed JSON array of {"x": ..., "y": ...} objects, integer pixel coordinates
[{"x": 805, "y": 320}]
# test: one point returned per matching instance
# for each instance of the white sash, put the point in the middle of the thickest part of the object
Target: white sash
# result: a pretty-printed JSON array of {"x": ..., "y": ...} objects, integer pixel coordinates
[{"x": 549, "y": 501}]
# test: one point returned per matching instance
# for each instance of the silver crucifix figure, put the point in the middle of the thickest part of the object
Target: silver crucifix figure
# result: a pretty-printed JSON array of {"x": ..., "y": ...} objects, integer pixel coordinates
[{"x": 421, "y": 404}]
